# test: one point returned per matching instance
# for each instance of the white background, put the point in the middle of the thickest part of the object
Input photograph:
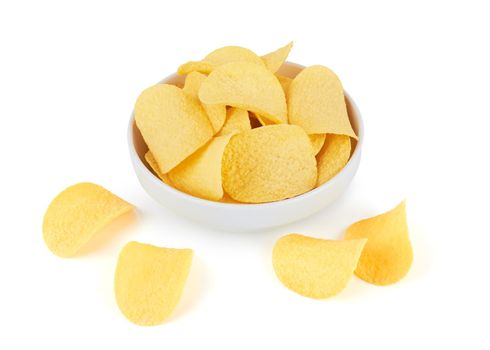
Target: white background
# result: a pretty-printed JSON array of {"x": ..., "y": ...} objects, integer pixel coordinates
[{"x": 419, "y": 71}]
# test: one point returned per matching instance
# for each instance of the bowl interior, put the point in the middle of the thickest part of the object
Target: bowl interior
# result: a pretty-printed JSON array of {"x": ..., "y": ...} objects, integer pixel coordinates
[{"x": 288, "y": 69}]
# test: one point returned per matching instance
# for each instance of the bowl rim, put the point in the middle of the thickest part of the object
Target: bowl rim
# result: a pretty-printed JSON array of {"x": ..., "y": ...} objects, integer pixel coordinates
[{"x": 201, "y": 201}]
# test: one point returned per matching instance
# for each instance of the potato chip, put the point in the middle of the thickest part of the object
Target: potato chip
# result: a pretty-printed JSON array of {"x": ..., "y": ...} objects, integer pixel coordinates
[
  {"x": 215, "y": 113},
  {"x": 316, "y": 103},
  {"x": 317, "y": 141},
  {"x": 285, "y": 82},
  {"x": 388, "y": 254},
  {"x": 313, "y": 267},
  {"x": 237, "y": 120},
  {"x": 200, "y": 174},
  {"x": 149, "y": 281},
  {"x": 77, "y": 214},
  {"x": 154, "y": 166},
  {"x": 172, "y": 123},
  {"x": 219, "y": 57},
  {"x": 332, "y": 157},
  {"x": 268, "y": 164},
  {"x": 274, "y": 60},
  {"x": 248, "y": 86}
]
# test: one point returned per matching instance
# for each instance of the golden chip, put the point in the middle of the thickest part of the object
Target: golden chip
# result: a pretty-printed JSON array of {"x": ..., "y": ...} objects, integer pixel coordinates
[
  {"x": 316, "y": 103},
  {"x": 154, "y": 166},
  {"x": 268, "y": 164},
  {"x": 274, "y": 60},
  {"x": 237, "y": 120},
  {"x": 285, "y": 82},
  {"x": 332, "y": 157},
  {"x": 215, "y": 113},
  {"x": 317, "y": 141},
  {"x": 313, "y": 267},
  {"x": 219, "y": 57},
  {"x": 388, "y": 254},
  {"x": 200, "y": 174},
  {"x": 149, "y": 281},
  {"x": 248, "y": 86},
  {"x": 77, "y": 214},
  {"x": 172, "y": 123}
]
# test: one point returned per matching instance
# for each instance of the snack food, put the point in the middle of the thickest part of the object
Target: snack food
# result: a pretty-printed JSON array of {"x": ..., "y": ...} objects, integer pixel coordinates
[
  {"x": 332, "y": 157},
  {"x": 149, "y": 281},
  {"x": 274, "y": 60},
  {"x": 269, "y": 163},
  {"x": 313, "y": 267},
  {"x": 216, "y": 113},
  {"x": 200, "y": 174},
  {"x": 248, "y": 86},
  {"x": 163, "y": 109},
  {"x": 77, "y": 214},
  {"x": 316, "y": 103},
  {"x": 388, "y": 254}
]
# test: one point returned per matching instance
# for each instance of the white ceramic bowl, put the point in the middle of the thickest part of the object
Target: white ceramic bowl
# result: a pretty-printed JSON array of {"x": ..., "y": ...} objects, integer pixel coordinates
[{"x": 245, "y": 217}]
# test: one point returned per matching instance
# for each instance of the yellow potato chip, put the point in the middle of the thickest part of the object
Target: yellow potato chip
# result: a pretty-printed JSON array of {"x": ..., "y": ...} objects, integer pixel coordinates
[
  {"x": 274, "y": 60},
  {"x": 332, "y": 157},
  {"x": 77, "y": 214},
  {"x": 200, "y": 174},
  {"x": 316, "y": 103},
  {"x": 248, "y": 86},
  {"x": 269, "y": 164},
  {"x": 237, "y": 120},
  {"x": 172, "y": 123},
  {"x": 149, "y": 281},
  {"x": 219, "y": 57},
  {"x": 215, "y": 113},
  {"x": 313, "y": 267},
  {"x": 285, "y": 82},
  {"x": 317, "y": 141},
  {"x": 388, "y": 254},
  {"x": 154, "y": 166}
]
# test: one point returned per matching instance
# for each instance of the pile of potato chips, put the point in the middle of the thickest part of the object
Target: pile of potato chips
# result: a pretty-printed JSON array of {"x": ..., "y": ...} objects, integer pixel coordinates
[
  {"x": 237, "y": 129},
  {"x": 201, "y": 141}
]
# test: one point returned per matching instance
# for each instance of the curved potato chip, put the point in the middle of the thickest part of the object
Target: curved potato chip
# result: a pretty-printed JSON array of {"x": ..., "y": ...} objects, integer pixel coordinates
[
  {"x": 216, "y": 113},
  {"x": 268, "y": 164},
  {"x": 200, "y": 174},
  {"x": 219, "y": 57},
  {"x": 317, "y": 141},
  {"x": 248, "y": 86},
  {"x": 236, "y": 121},
  {"x": 274, "y": 60},
  {"x": 285, "y": 82},
  {"x": 388, "y": 254},
  {"x": 332, "y": 157},
  {"x": 316, "y": 103},
  {"x": 154, "y": 166},
  {"x": 172, "y": 123},
  {"x": 313, "y": 267},
  {"x": 77, "y": 214},
  {"x": 149, "y": 281}
]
